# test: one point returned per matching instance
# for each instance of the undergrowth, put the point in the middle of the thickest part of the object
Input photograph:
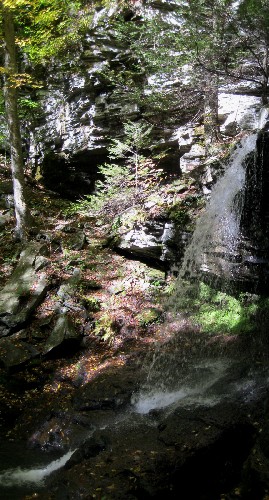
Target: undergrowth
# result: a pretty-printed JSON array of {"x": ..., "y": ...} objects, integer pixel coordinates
[{"x": 218, "y": 312}]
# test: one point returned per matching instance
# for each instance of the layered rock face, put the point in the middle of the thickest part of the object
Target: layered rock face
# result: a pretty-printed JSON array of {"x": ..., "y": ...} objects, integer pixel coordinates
[
  {"x": 82, "y": 113},
  {"x": 84, "y": 108},
  {"x": 255, "y": 215}
]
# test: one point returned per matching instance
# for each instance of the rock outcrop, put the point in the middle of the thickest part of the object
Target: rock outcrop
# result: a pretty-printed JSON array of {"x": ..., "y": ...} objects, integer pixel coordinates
[
  {"x": 25, "y": 289},
  {"x": 81, "y": 113}
]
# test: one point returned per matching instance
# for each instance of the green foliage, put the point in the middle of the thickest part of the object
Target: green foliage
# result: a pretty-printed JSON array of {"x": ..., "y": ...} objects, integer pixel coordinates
[
  {"x": 183, "y": 212},
  {"x": 46, "y": 28},
  {"x": 121, "y": 185},
  {"x": 111, "y": 193},
  {"x": 217, "y": 312},
  {"x": 179, "y": 215},
  {"x": 104, "y": 328},
  {"x": 136, "y": 137},
  {"x": 28, "y": 108},
  {"x": 91, "y": 303},
  {"x": 149, "y": 316}
]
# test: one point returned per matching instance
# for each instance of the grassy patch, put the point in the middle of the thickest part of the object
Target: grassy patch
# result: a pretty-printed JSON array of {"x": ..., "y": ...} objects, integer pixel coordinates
[{"x": 219, "y": 312}]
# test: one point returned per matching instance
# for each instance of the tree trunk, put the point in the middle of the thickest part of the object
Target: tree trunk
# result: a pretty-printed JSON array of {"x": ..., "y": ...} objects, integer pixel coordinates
[
  {"x": 22, "y": 213},
  {"x": 265, "y": 76},
  {"x": 136, "y": 174},
  {"x": 211, "y": 122},
  {"x": 211, "y": 105}
]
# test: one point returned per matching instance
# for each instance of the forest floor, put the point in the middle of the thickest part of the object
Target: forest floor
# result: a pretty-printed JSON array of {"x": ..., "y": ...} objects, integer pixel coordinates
[
  {"x": 123, "y": 298},
  {"x": 119, "y": 309}
]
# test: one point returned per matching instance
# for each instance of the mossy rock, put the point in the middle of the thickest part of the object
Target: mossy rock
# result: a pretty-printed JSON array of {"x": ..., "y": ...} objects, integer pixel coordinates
[
  {"x": 155, "y": 274},
  {"x": 179, "y": 216},
  {"x": 149, "y": 316},
  {"x": 91, "y": 304}
]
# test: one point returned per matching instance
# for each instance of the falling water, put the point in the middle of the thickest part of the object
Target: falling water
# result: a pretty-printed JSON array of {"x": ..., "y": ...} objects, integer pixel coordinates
[
  {"x": 175, "y": 377},
  {"x": 217, "y": 233},
  {"x": 177, "y": 380},
  {"x": 19, "y": 476}
]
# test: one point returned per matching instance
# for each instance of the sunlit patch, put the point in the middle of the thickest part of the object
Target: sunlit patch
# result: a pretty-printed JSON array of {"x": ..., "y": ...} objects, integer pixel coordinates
[{"x": 86, "y": 369}]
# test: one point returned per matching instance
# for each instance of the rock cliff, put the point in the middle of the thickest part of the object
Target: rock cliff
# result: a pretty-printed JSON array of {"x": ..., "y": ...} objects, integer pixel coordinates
[{"x": 83, "y": 109}]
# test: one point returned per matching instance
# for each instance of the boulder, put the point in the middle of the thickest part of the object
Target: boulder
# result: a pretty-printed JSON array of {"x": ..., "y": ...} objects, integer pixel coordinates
[
  {"x": 159, "y": 242},
  {"x": 63, "y": 334},
  {"x": 76, "y": 240},
  {"x": 25, "y": 289},
  {"x": 15, "y": 352},
  {"x": 192, "y": 159},
  {"x": 67, "y": 289}
]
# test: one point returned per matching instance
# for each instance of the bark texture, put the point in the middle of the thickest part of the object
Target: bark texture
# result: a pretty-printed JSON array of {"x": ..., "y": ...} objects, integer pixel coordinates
[{"x": 11, "y": 99}]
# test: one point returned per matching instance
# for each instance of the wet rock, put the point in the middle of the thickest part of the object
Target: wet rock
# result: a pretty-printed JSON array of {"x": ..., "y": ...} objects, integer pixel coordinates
[
  {"x": 89, "y": 449},
  {"x": 107, "y": 392},
  {"x": 139, "y": 463},
  {"x": 255, "y": 477},
  {"x": 61, "y": 430},
  {"x": 53, "y": 435}
]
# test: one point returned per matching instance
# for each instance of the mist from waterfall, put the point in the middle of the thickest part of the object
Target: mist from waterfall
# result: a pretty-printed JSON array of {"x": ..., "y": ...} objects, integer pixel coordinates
[
  {"x": 176, "y": 379},
  {"x": 176, "y": 375}
]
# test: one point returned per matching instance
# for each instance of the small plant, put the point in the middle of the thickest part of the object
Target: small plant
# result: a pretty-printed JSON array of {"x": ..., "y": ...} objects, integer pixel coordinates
[
  {"x": 91, "y": 304},
  {"x": 179, "y": 216},
  {"x": 104, "y": 328},
  {"x": 149, "y": 316},
  {"x": 123, "y": 184},
  {"x": 112, "y": 194}
]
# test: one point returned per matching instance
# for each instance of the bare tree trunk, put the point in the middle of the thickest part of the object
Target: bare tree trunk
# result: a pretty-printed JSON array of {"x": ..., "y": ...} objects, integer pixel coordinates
[
  {"x": 136, "y": 174},
  {"x": 265, "y": 76},
  {"x": 211, "y": 106},
  {"x": 22, "y": 213},
  {"x": 211, "y": 122}
]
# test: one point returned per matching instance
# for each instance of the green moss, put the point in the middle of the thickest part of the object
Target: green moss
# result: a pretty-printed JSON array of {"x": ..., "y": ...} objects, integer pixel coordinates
[
  {"x": 218, "y": 312},
  {"x": 179, "y": 215},
  {"x": 91, "y": 304},
  {"x": 221, "y": 312},
  {"x": 149, "y": 316}
]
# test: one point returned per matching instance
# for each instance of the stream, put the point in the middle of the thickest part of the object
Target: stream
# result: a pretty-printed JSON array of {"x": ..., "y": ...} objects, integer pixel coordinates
[
  {"x": 197, "y": 383},
  {"x": 206, "y": 383}
]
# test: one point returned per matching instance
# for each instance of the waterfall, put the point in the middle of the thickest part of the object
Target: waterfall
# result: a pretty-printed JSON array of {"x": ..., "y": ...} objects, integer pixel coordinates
[
  {"x": 173, "y": 376},
  {"x": 214, "y": 246},
  {"x": 213, "y": 250}
]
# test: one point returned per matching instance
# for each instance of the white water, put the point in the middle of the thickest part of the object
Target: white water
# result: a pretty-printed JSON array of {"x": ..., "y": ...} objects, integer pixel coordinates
[
  {"x": 221, "y": 224},
  {"x": 192, "y": 392},
  {"x": 217, "y": 232},
  {"x": 218, "y": 229},
  {"x": 20, "y": 477}
]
